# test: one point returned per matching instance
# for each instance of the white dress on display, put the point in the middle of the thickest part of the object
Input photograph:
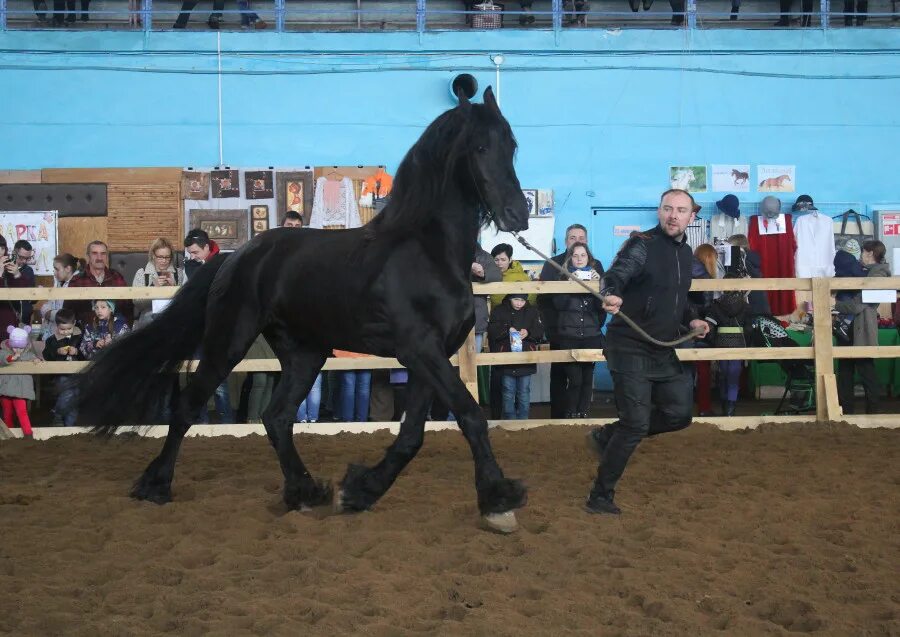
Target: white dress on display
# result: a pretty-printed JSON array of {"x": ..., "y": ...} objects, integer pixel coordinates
[
  {"x": 334, "y": 204},
  {"x": 815, "y": 245},
  {"x": 723, "y": 226}
]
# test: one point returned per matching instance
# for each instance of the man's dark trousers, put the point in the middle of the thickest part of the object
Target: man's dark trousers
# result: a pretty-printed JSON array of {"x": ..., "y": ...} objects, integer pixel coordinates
[{"x": 654, "y": 394}]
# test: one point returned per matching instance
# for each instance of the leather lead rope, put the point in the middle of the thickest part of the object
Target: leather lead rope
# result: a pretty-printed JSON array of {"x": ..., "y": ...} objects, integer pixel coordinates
[{"x": 637, "y": 328}]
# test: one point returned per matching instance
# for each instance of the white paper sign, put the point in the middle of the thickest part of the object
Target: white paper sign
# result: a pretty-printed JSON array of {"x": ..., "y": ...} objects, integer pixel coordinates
[
  {"x": 778, "y": 225},
  {"x": 731, "y": 178},
  {"x": 879, "y": 296},
  {"x": 625, "y": 231}
]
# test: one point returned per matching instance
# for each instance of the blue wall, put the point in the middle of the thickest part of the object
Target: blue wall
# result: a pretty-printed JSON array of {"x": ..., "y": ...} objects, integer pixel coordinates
[{"x": 600, "y": 115}]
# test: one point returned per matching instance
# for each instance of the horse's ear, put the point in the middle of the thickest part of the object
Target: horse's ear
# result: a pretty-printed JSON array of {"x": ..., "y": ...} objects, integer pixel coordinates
[
  {"x": 464, "y": 104},
  {"x": 490, "y": 101}
]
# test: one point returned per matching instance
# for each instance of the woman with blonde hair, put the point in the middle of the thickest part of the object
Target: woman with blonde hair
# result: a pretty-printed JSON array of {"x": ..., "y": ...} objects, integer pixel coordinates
[{"x": 160, "y": 271}]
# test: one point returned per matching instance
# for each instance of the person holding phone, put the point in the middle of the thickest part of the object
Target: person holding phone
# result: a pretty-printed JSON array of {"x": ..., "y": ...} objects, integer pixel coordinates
[
  {"x": 160, "y": 271},
  {"x": 11, "y": 276},
  {"x": 579, "y": 323}
]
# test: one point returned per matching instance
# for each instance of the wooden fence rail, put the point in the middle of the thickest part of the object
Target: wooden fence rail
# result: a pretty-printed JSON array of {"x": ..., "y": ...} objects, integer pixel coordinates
[{"x": 821, "y": 352}]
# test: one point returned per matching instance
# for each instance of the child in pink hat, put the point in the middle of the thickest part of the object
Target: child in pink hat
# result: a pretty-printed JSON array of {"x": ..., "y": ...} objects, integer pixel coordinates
[{"x": 15, "y": 389}]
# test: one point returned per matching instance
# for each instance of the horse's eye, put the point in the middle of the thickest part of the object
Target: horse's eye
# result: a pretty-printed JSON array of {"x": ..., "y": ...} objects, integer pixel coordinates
[{"x": 482, "y": 149}]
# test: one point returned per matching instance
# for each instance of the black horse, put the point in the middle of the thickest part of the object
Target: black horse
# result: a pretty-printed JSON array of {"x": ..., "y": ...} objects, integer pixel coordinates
[{"x": 398, "y": 286}]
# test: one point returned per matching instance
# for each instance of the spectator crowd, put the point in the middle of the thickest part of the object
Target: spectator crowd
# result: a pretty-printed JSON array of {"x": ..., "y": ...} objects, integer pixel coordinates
[{"x": 77, "y": 330}]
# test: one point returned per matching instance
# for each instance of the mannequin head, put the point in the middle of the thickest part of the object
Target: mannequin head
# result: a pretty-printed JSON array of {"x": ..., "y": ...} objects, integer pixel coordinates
[{"x": 770, "y": 207}]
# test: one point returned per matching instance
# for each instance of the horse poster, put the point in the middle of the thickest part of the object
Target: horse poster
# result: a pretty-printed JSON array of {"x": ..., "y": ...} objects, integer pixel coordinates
[
  {"x": 689, "y": 178},
  {"x": 776, "y": 178},
  {"x": 730, "y": 178}
]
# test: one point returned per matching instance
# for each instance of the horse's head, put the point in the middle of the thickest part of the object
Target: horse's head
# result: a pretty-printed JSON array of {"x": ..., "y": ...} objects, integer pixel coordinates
[
  {"x": 466, "y": 152},
  {"x": 486, "y": 170}
]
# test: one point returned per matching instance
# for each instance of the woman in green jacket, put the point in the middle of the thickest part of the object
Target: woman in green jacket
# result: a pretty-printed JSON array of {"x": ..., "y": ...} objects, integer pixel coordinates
[{"x": 511, "y": 271}]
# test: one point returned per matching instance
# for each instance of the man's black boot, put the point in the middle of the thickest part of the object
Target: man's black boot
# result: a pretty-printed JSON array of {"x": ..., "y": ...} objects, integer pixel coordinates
[{"x": 601, "y": 502}]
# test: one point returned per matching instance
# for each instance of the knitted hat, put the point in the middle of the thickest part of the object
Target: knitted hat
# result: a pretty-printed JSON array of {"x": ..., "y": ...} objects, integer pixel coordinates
[
  {"x": 730, "y": 206},
  {"x": 109, "y": 303},
  {"x": 517, "y": 295},
  {"x": 18, "y": 336},
  {"x": 852, "y": 246}
]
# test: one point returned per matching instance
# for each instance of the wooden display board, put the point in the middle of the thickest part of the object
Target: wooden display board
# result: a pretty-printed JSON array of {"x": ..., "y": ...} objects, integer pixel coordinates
[
  {"x": 111, "y": 175},
  {"x": 138, "y": 214}
]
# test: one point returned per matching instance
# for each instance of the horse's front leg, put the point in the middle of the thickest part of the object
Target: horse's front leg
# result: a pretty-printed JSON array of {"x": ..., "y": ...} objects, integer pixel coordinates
[
  {"x": 497, "y": 496},
  {"x": 362, "y": 487}
]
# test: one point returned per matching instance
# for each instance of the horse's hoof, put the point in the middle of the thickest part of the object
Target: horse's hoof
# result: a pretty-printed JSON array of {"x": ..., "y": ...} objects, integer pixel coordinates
[
  {"x": 344, "y": 504},
  {"x": 156, "y": 495},
  {"x": 352, "y": 496},
  {"x": 501, "y": 522}
]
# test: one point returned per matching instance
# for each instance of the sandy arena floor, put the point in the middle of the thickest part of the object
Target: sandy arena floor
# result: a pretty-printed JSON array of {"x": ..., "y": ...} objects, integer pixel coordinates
[{"x": 774, "y": 532}]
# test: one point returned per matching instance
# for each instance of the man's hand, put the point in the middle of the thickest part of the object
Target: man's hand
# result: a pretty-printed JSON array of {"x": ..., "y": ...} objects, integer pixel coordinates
[
  {"x": 478, "y": 270},
  {"x": 612, "y": 304},
  {"x": 523, "y": 333},
  {"x": 701, "y": 327},
  {"x": 72, "y": 351},
  {"x": 12, "y": 269},
  {"x": 62, "y": 351}
]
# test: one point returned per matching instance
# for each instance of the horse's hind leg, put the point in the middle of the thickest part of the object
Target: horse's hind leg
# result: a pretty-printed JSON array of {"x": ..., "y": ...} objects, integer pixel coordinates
[
  {"x": 216, "y": 362},
  {"x": 299, "y": 368},
  {"x": 361, "y": 486},
  {"x": 155, "y": 484}
]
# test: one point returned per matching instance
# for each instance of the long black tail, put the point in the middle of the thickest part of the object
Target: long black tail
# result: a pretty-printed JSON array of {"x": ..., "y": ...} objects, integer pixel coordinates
[{"x": 127, "y": 381}]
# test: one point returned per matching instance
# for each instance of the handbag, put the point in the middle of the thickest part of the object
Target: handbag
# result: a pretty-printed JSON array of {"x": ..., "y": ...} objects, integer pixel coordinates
[
  {"x": 730, "y": 336},
  {"x": 842, "y": 329},
  {"x": 851, "y": 242}
]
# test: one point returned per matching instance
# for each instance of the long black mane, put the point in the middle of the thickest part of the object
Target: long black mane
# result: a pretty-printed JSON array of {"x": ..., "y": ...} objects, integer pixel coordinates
[{"x": 428, "y": 168}]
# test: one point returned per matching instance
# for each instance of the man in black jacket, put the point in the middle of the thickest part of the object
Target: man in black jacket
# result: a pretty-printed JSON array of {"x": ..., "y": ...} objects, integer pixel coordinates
[{"x": 649, "y": 281}]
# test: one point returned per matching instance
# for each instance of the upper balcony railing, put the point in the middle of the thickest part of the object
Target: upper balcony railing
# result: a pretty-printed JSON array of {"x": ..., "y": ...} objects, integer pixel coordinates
[{"x": 438, "y": 15}]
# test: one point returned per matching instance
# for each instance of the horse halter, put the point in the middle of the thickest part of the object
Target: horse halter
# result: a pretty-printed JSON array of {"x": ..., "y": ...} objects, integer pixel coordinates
[
  {"x": 488, "y": 213},
  {"x": 637, "y": 328}
]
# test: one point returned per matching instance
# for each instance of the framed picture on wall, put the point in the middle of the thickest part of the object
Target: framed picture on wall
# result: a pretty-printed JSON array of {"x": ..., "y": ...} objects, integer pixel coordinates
[
  {"x": 294, "y": 191},
  {"x": 228, "y": 228},
  {"x": 226, "y": 184},
  {"x": 259, "y": 219},
  {"x": 531, "y": 197},
  {"x": 194, "y": 185},
  {"x": 258, "y": 184},
  {"x": 545, "y": 203}
]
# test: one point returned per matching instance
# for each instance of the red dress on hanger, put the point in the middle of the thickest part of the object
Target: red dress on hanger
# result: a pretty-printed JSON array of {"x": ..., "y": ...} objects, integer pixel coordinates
[{"x": 776, "y": 253}]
